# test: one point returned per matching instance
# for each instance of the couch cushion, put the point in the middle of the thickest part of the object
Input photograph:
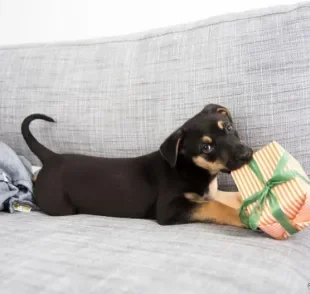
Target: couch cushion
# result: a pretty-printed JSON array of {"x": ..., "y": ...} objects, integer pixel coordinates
[
  {"x": 93, "y": 254},
  {"x": 122, "y": 96}
]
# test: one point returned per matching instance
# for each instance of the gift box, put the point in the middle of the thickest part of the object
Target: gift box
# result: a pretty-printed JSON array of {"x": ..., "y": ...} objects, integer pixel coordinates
[{"x": 275, "y": 191}]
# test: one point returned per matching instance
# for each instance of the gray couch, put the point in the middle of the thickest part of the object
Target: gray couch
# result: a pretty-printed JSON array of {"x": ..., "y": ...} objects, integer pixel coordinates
[{"x": 121, "y": 97}]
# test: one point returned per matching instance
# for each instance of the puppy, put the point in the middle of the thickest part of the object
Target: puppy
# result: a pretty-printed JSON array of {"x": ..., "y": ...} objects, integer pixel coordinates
[{"x": 167, "y": 185}]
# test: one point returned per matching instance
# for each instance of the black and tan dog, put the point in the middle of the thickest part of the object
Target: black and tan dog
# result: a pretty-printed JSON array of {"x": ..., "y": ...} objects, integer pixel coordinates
[{"x": 167, "y": 185}]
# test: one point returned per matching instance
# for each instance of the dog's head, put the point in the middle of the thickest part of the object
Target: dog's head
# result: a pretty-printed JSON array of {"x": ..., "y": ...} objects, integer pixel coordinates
[{"x": 209, "y": 140}]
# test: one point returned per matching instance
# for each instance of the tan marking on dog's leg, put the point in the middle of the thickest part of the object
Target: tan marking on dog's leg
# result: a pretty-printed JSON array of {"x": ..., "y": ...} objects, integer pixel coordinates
[
  {"x": 206, "y": 139},
  {"x": 213, "y": 167},
  {"x": 213, "y": 211}
]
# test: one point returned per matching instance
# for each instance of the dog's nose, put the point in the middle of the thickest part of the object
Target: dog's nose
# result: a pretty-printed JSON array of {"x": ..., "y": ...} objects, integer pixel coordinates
[{"x": 245, "y": 154}]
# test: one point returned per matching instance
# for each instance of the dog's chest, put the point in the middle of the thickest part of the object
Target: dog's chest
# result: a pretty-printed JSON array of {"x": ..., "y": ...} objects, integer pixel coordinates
[
  {"x": 212, "y": 189},
  {"x": 206, "y": 193}
]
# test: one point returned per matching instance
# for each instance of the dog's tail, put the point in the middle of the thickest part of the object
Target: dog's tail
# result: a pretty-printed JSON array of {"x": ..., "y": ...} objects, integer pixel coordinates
[{"x": 37, "y": 148}]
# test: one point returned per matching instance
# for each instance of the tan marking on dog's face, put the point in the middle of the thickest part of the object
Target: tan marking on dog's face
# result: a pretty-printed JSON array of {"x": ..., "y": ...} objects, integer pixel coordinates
[
  {"x": 213, "y": 167},
  {"x": 220, "y": 124},
  {"x": 206, "y": 139}
]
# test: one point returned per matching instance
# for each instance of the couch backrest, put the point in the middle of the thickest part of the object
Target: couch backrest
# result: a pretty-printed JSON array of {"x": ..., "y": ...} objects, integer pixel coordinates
[{"x": 122, "y": 96}]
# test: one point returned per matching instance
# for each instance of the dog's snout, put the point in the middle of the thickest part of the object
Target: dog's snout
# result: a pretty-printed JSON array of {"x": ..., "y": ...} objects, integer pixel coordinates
[{"x": 244, "y": 154}]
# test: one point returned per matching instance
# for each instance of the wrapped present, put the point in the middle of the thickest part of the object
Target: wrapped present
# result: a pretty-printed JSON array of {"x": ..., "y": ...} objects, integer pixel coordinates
[{"x": 275, "y": 191}]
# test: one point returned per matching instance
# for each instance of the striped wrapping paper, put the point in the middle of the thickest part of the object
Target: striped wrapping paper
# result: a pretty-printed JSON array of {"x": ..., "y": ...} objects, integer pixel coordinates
[{"x": 292, "y": 196}]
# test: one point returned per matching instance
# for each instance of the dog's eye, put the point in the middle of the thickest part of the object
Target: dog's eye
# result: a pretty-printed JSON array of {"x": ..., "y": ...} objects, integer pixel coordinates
[
  {"x": 229, "y": 128},
  {"x": 207, "y": 148}
]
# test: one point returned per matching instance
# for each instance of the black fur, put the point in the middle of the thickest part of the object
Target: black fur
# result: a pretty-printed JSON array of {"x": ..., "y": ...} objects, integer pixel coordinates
[{"x": 151, "y": 186}]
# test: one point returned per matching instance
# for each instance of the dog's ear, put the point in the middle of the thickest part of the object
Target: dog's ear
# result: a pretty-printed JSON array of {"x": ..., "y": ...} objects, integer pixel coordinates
[
  {"x": 169, "y": 150},
  {"x": 215, "y": 108}
]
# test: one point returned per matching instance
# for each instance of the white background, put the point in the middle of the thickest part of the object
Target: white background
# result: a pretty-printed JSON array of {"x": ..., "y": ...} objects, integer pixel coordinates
[{"x": 27, "y": 21}]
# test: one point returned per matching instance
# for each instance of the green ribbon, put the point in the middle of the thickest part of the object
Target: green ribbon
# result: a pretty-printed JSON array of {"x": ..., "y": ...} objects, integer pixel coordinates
[{"x": 259, "y": 198}]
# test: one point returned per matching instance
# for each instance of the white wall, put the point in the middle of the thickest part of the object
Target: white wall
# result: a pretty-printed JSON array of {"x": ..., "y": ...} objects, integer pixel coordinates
[{"x": 24, "y": 21}]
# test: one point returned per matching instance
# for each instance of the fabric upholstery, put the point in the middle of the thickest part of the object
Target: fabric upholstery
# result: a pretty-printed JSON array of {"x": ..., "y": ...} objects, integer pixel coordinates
[
  {"x": 93, "y": 254},
  {"x": 122, "y": 97}
]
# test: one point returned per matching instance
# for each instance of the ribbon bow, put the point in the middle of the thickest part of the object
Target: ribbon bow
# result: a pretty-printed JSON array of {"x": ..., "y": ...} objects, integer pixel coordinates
[{"x": 259, "y": 198}]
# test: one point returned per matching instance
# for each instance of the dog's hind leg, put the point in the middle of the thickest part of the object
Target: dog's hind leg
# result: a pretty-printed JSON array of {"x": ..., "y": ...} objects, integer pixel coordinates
[{"x": 52, "y": 200}]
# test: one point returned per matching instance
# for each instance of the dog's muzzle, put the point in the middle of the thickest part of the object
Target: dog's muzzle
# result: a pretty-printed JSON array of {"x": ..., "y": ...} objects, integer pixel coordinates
[{"x": 242, "y": 155}]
